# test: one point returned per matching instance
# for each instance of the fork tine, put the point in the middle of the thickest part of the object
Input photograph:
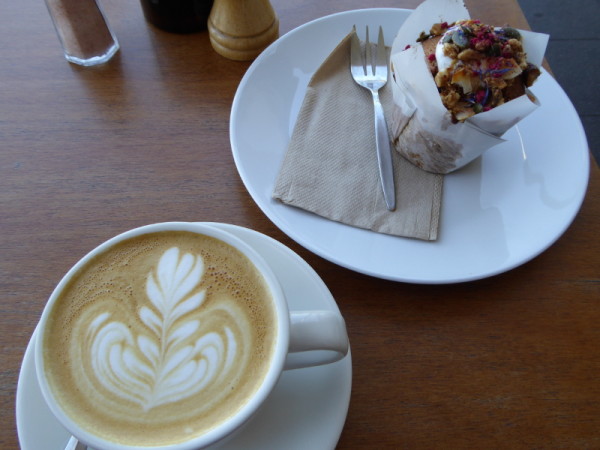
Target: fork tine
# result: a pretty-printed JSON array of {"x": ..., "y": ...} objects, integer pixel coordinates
[
  {"x": 356, "y": 59},
  {"x": 368, "y": 58},
  {"x": 381, "y": 63}
]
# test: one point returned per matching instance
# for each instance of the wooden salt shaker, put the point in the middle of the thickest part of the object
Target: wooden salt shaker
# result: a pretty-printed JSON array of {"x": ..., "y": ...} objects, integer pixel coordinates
[{"x": 241, "y": 29}]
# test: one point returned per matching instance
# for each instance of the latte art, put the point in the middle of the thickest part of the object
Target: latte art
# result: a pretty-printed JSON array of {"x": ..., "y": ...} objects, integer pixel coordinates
[
  {"x": 160, "y": 338},
  {"x": 168, "y": 363}
]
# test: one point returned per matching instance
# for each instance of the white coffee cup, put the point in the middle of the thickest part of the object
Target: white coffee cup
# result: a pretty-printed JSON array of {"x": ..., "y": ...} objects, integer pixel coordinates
[{"x": 172, "y": 334}]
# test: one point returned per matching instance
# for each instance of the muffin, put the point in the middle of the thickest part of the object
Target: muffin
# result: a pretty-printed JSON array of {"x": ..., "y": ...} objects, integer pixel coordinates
[
  {"x": 458, "y": 84},
  {"x": 476, "y": 67}
]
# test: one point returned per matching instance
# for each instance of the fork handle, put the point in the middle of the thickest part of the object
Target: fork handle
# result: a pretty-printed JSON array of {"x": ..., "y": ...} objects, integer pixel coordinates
[{"x": 384, "y": 154}]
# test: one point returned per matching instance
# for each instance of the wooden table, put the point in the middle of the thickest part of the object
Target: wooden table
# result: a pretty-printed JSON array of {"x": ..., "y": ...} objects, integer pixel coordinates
[{"x": 512, "y": 361}]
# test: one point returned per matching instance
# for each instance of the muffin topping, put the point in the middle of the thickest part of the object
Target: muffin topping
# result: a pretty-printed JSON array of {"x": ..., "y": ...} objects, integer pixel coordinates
[{"x": 476, "y": 67}]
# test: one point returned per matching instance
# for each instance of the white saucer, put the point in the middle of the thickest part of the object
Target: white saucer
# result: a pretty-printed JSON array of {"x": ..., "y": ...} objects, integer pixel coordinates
[{"x": 307, "y": 408}]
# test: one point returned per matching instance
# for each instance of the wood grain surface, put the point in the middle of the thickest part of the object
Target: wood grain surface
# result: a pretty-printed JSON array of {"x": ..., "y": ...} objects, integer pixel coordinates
[{"x": 512, "y": 361}]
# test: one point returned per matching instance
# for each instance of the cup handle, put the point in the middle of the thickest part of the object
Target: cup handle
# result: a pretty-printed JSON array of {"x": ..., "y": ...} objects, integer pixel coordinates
[{"x": 316, "y": 338}]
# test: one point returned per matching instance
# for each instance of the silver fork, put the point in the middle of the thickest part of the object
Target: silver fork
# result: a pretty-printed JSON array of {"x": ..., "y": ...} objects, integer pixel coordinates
[{"x": 372, "y": 74}]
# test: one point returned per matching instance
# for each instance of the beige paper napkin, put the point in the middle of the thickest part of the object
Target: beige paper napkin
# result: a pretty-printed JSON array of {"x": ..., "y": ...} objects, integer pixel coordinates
[{"x": 330, "y": 167}]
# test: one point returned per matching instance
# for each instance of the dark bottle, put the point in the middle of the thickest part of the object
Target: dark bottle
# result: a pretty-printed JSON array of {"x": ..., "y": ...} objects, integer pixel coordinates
[{"x": 177, "y": 16}]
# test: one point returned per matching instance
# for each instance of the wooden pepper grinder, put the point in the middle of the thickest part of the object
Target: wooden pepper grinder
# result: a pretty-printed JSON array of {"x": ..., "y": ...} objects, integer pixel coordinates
[{"x": 241, "y": 29}]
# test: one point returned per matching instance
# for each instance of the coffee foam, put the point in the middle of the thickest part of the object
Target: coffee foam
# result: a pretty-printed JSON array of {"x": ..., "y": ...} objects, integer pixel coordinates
[{"x": 117, "y": 345}]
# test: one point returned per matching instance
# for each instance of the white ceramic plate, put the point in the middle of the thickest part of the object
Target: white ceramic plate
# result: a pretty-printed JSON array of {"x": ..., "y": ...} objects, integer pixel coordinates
[
  {"x": 498, "y": 213},
  {"x": 307, "y": 408}
]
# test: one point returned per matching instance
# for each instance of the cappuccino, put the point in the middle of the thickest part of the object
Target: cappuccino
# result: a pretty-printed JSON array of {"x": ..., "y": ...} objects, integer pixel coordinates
[{"x": 159, "y": 338}]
